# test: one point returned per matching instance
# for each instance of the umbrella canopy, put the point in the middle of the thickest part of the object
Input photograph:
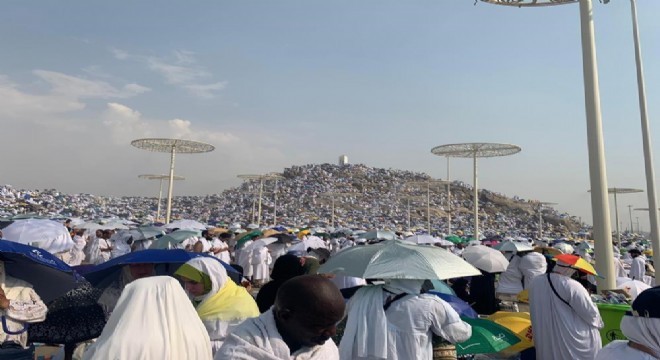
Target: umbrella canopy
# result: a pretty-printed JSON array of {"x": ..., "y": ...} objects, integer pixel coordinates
[
  {"x": 146, "y": 232},
  {"x": 513, "y": 246},
  {"x": 577, "y": 263},
  {"x": 313, "y": 242},
  {"x": 166, "y": 261},
  {"x": 72, "y": 318},
  {"x": 174, "y": 238},
  {"x": 462, "y": 308},
  {"x": 485, "y": 258},
  {"x": 395, "y": 259},
  {"x": 246, "y": 236},
  {"x": 50, "y": 276},
  {"x": 422, "y": 239},
  {"x": 547, "y": 250},
  {"x": 442, "y": 287},
  {"x": 487, "y": 337},
  {"x": 519, "y": 323},
  {"x": 454, "y": 239},
  {"x": 378, "y": 235},
  {"x": 46, "y": 234},
  {"x": 185, "y": 224},
  {"x": 585, "y": 245},
  {"x": 633, "y": 287},
  {"x": 564, "y": 248},
  {"x": 260, "y": 243}
]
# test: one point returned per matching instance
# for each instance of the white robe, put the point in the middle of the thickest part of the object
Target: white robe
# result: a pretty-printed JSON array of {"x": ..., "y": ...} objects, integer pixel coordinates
[
  {"x": 619, "y": 269},
  {"x": 259, "y": 339},
  {"x": 619, "y": 350},
  {"x": 77, "y": 253},
  {"x": 637, "y": 269},
  {"x": 532, "y": 265},
  {"x": 511, "y": 280},
  {"x": 153, "y": 320},
  {"x": 561, "y": 332},
  {"x": 260, "y": 261}
]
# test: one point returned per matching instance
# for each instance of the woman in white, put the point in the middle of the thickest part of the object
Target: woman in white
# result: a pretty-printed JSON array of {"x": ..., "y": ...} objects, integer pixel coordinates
[{"x": 153, "y": 320}]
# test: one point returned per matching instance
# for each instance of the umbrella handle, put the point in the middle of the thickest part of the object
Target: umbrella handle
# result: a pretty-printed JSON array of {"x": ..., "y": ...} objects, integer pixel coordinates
[{"x": 9, "y": 332}]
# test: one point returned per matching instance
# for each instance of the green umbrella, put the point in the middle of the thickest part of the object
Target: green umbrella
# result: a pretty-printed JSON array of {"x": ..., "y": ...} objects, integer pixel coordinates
[
  {"x": 251, "y": 235},
  {"x": 174, "y": 238},
  {"x": 455, "y": 239},
  {"x": 487, "y": 337}
]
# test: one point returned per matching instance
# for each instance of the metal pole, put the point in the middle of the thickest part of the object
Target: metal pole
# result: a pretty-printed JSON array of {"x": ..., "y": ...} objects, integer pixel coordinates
[
  {"x": 254, "y": 210},
  {"x": 332, "y": 219},
  {"x": 261, "y": 191},
  {"x": 630, "y": 214},
  {"x": 540, "y": 222},
  {"x": 597, "y": 167},
  {"x": 646, "y": 141},
  {"x": 169, "y": 191},
  {"x": 428, "y": 206},
  {"x": 616, "y": 218},
  {"x": 408, "y": 214},
  {"x": 476, "y": 197},
  {"x": 275, "y": 205},
  {"x": 160, "y": 199},
  {"x": 448, "y": 199}
]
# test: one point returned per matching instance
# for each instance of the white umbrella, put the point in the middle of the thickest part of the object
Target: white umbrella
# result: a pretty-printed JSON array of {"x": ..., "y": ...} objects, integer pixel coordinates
[
  {"x": 633, "y": 287},
  {"x": 313, "y": 242},
  {"x": 260, "y": 243},
  {"x": 46, "y": 234},
  {"x": 485, "y": 258},
  {"x": 513, "y": 246},
  {"x": 395, "y": 259},
  {"x": 185, "y": 224},
  {"x": 378, "y": 235},
  {"x": 565, "y": 248},
  {"x": 422, "y": 239}
]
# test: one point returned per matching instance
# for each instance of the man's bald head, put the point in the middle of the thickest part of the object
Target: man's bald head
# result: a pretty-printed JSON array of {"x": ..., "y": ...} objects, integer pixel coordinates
[{"x": 307, "y": 309}]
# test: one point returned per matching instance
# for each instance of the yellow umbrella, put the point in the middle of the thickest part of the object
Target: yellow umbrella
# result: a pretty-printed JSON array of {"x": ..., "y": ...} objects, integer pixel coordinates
[
  {"x": 518, "y": 322},
  {"x": 217, "y": 231},
  {"x": 270, "y": 233},
  {"x": 303, "y": 233},
  {"x": 577, "y": 262},
  {"x": 547, "y": 250}
]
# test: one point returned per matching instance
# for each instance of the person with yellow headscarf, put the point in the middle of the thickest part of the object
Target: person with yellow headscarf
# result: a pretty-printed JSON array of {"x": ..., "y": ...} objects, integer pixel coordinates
[{"x": 219, "y": 302}]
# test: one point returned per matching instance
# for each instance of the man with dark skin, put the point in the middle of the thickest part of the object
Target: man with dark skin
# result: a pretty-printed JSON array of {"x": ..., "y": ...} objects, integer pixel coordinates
[{"x": 299, "y": 326}]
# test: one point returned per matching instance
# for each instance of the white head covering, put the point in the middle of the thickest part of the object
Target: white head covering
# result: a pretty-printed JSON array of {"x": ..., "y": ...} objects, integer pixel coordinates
[
  {"x": 153, "y": 319},
  {"x": 214, "y": 270},
  {"x": 563, "y": 269},
  {"x": 644, "y": 331}
]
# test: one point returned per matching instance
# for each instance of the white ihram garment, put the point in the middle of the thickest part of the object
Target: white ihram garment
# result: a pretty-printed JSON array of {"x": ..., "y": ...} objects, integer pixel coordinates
[
  {"x": 153, "y": 319},
  {"x": 258, "y": 339},
  {"x": 560, "y": 331},
  {"x": 641, "y": 330},
  {"x": 261, "y": 260},
  {"x": 637, "y": 269}
]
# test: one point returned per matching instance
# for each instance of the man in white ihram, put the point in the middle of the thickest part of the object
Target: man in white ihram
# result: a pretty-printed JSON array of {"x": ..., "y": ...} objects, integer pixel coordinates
[{"x": 565, "y": 321}]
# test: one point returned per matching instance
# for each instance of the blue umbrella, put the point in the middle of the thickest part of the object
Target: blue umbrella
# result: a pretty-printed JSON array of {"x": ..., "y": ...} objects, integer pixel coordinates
[
  {"x": 442, "y": 287},
  {"x": 50, "y": 276},
  {"x": 166, "y": 263},
  {"x": 461, "y": 307}
]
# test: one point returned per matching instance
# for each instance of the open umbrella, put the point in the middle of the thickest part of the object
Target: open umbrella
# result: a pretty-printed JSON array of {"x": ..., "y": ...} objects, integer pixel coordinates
[
  {"x": 46, "y": 234},
  {"x": 173, "y": 239},
  {"x": 565, "y": 248},
  {"x": 633, "y": 287},
  {"x": 487, "y": 337},
  {"x": 485, "y": 258},
  {"x": 50, "y": 276},
  {"x": 313, "y": 242},
  {"x": 245, "y": 237},
  {"x": 547, "y": 250},
  {"x": 166, "y": 263},
  {"x": 72, "y": 318},
  {"x": 519, "y": 323},
  {"x": 378, "y": 235},
  {"x": 577, "y": 263},
  {"x": 462, "y": 308},
  {"x": 454, "y": 239},
  {"x": 395, "y": 259},
  {"x": 442, "y": 287},
  {"x": 260, "y": 243},
  {"x": 422, "y": 239},
  {"x": 185, "y": 224},
  {"x": 513, "y": 246}
]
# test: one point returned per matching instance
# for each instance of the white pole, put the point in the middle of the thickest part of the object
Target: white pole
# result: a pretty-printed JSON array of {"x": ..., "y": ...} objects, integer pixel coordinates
[
  {"x": 476, "y": 197},
  {"x": 448, "y": 199},
  {"x": 616, "y": 218},
  {"x": 408, "y": 214},
  {"x": 169, "y": 191},
  {"x": 160, "y": 199},
  {"x": 261, "y": 191},
  {"x": 540, "y": 222},
  {"x": 428, "y": 206},
  {"x": 597, "y": 169},
  {"x": 332, "y": 219},
  {"x": 646, "y": 141},
  {"x": 275, "y": 205},
  {"x": 630, "y": 214}
]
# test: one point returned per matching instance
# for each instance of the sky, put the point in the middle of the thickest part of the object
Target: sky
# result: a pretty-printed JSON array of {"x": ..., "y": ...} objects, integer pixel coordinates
[{"x": 273, "y": 84}]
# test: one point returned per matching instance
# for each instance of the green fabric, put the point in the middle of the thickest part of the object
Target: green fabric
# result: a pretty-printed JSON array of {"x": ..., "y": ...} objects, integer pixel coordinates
[
  {"x": 487, "y": 337},
  {"x": 612, "y": 315},
  {"x": 195, "y": 275}
]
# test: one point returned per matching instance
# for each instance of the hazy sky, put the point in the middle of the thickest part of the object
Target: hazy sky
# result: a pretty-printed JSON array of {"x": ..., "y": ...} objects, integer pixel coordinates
[{"x": 289, "y": 82}]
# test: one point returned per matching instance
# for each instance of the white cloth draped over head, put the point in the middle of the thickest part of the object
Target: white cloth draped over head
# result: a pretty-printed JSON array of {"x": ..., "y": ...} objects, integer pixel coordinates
[
  {"x": 532, "y": 265},
  {"x": 153, "y": 319},
  {"x": 25, "y": 306},
  {"x": 644, "y": 331},
  {"x": 403, "y": 332},
  {"x": 563, "y": 331},
  {"x": 258, "y": 339}
]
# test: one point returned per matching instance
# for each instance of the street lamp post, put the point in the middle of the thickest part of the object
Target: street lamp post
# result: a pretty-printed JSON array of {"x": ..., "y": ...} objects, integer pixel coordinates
[
  {"x": 428, "y": 184},
  {"x": 408, "y": 200},
  {"x": 332, "y": 195},
  {"x": 616, "y": 191},
  {"x": 474, "y": 151},
  {"x": 597, "y": 168},
  {"x": 541, "y": 205},
  {"x": 261, "y": 178},
  {"x": 160, "y": 191},
  {"x": 172, "y": 146}
]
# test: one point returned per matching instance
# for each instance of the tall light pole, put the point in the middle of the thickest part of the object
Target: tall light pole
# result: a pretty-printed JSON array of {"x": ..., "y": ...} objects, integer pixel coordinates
[
  {"x": 428, "y": 183},
  {"x": 172, "y": 146},
  {"x": 541, "y": 205},
  {"x": 630, "y": 214},
  {"x": 448, "y": 199},
  {"x": 276, "y": 177},
  {"x": 646, "y": 141},
  {"x": 602, "y": 230},
  {"x": 474, "y": 151},
  {"x": 408, "y": 200},
  {"x": 261, "y": 178},
  {"x": 616, "y": 191},
  {"x": 332, "y": 195},
  {"x": 160, "y": 191}
]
